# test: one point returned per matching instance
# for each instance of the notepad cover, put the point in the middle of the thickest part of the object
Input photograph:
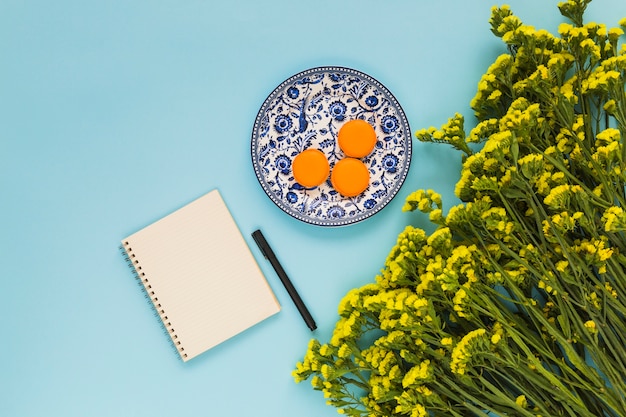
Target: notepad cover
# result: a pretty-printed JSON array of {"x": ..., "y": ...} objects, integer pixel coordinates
[{"x": 200, "y": 275}]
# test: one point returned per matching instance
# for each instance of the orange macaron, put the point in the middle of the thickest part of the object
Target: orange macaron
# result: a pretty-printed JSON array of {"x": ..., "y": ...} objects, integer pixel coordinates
[
  {"x": 356, "y": 138},
  {"x": 310, "y": 168},
  {"x": 350, "y": 177}
]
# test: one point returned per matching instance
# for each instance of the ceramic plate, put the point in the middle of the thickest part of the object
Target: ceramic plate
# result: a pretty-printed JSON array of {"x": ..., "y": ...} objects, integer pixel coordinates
[{"x": 306, "y": 111}]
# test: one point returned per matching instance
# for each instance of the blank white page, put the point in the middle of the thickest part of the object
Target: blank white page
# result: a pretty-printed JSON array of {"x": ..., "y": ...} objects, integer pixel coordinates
[{"x": 201, "y": 276}]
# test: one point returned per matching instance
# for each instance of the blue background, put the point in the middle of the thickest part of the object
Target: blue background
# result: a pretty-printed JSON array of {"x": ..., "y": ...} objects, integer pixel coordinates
[{"x": 114, "y": 113}]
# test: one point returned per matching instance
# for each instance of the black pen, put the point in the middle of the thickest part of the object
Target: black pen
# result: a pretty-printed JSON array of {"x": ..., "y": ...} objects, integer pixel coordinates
[{"x": 269, "y": 254}]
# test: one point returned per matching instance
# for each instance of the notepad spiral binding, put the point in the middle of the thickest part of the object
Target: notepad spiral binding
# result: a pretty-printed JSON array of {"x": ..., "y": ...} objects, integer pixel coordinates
[{"x": 144, "y": 282}]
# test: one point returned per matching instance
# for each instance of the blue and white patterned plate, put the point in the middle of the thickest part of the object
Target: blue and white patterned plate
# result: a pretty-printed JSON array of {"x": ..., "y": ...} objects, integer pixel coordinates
[{"x": 307, "y": 111}]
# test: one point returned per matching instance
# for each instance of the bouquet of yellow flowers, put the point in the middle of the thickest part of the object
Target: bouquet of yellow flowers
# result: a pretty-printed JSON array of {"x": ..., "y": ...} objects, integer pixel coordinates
[{"x": 516, "y": 303}]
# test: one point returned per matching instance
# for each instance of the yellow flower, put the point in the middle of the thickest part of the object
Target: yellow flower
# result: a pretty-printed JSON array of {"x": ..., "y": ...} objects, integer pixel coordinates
[
  {"x": 608, "y": 136},
  {"x": 521, "y": 401},
  {"x": 435, "y": 216},
  {"x": 590, "y": 325},
  {"x": 610, "y": 106},
  {"x": 461, "y": 354},
  {"x": 559, "y": 197},
  {"x": 325, "y": 350},
  {"x": 460, "y": 295},
  {"x": 589, "y": 46},
  {"x": 567, "y": 89},
  {"x": 419, "y": 411},
  {"x": 615, "y": 33},
  {"x": 344, "y": 351},
  {"x": 562, "y": 266},
  {"x": 610, "y": 290},
  {"x": 495, "y": 95},
  {"x": 547, "y": 287},
  {"x": 594, "y": 300},
  {"x": 326, "y": 371},
  {"x": 297, "y": 373},
  {"x": 317, "y": 382},
  {"x": 417, "y": 374}
]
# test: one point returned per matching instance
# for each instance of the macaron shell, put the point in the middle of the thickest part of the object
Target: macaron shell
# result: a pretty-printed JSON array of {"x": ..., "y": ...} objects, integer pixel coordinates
[
  {"x": 310, "y": 168},
  {"x": 356, "y": 138},
  {"x": 350, "y": 177}
]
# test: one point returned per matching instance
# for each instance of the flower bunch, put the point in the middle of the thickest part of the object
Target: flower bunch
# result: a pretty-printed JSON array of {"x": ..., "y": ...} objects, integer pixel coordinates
[{"x": 516, "y": 303}]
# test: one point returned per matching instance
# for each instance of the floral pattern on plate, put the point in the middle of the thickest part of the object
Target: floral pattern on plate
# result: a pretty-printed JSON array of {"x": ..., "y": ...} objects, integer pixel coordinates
[{"x": 307, "y": 111}]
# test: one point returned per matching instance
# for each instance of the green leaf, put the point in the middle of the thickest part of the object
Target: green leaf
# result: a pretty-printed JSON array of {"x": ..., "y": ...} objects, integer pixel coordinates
[{"x": 565, "y": 325}]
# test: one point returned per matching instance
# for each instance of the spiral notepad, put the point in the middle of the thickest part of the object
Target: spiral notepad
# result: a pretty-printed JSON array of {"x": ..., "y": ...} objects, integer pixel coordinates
[{"x": 200, "y": 275}]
